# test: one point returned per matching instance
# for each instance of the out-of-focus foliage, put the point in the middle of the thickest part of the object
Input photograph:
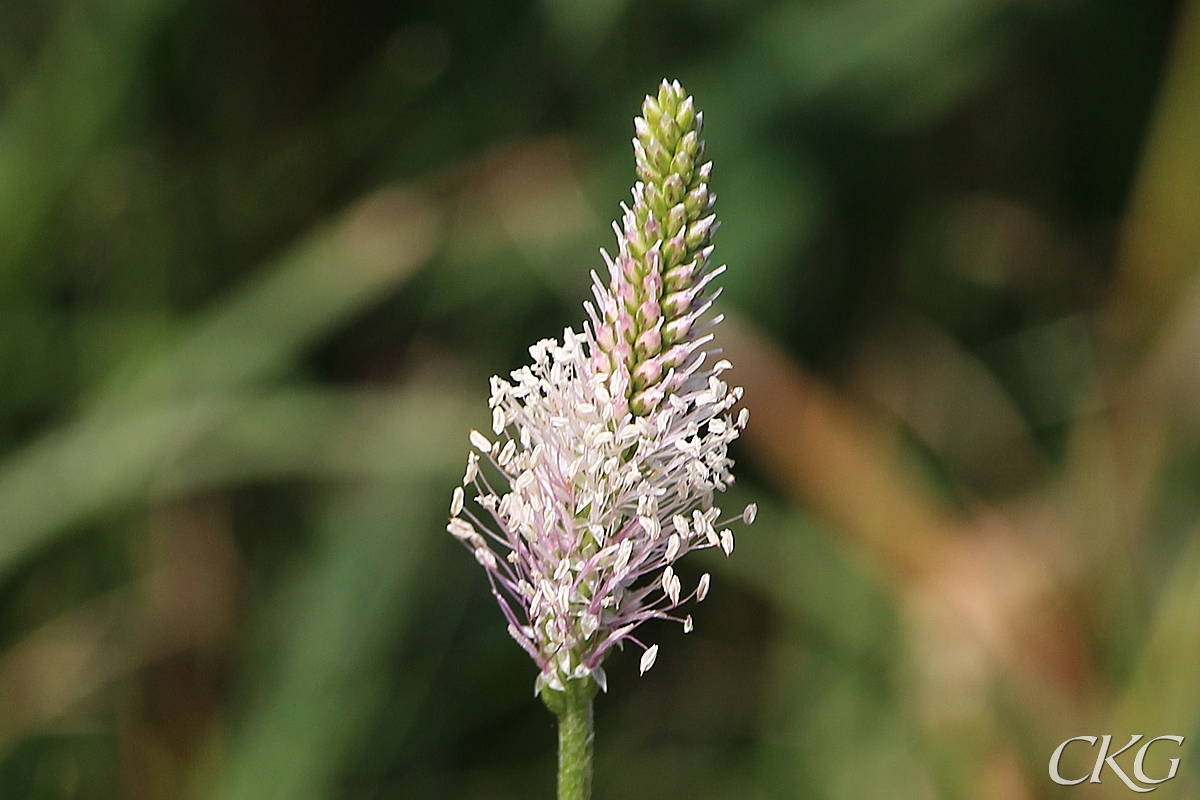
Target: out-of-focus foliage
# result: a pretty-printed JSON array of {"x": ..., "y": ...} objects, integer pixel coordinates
[{"x": 258, "y": 259}]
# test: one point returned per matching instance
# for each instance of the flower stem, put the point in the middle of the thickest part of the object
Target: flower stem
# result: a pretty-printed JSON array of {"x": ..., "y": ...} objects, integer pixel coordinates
[{"x": 575, "y": 740}]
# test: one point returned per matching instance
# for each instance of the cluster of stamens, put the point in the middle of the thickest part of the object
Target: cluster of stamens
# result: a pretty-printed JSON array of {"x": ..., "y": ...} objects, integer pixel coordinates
[{"x": 611, "y": 444}]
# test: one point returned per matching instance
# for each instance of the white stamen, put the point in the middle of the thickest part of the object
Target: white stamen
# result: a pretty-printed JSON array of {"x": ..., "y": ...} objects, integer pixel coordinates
[
  {"x": 485, "y": 557},
  {"x": 674, "y": 590},
  {"x": 506, "y": 453},
  {"x": 623, "y": 553},
  {"x": 673, "y": 545},
  {"x": 462, "y": 530},
  {"x": 648, "y": 658},
  {"x": 481, "y": 442},
  {"x": 650, "y": 526}
]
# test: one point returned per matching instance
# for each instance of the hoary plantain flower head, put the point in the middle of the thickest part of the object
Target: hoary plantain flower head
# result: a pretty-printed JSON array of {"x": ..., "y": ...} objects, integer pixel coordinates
[{"x": 610, "y": 445}]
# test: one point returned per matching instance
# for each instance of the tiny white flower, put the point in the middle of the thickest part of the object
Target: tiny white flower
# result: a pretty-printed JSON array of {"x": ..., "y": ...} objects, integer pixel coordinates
[
  {"x": 702, "y": 587},
  {"x": 456, "y": 502},
  {"x": 750, "y": 513}
]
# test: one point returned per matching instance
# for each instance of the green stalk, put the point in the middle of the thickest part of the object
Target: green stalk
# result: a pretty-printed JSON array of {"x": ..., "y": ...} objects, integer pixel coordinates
[{"x": 575, "y": 734}]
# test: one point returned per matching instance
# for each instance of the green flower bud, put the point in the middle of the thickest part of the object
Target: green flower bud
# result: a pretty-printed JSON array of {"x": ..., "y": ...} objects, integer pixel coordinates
[
  {"x": 697, "y": 201},
  {"x": 686, "y": 115},
  {"x": 699, "y": 232},
  {"x": 681, "y": 167},
  {"x": 676, "y": 219},
  {"x": 674, "y": 188}
]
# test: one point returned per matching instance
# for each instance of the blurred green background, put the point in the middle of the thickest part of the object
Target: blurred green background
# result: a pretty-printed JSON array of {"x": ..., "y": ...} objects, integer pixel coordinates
[{"x": 259, "y": 258}]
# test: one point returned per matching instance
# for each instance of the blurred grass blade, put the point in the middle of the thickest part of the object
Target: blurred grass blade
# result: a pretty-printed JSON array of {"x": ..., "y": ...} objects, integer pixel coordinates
[
  {"x": 60, "y": 112},
  {"x": 928, "y": 53},
  {"x": 323, "y": 434},
  {"x": 344, "y": 609},
  {"x": 173, "y": 449},
  {"x": 329, "y": 275},
  {"x": 1160, "y": 240},
  {"x": 1164, "y": 694}
]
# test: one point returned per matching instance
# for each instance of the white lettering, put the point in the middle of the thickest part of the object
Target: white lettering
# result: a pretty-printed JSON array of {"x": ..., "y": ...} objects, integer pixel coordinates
[
  {"x": 1104, "y": 759},
  {"x": 1058, "y": 751},
  {"x": 1139, "y": 771}
]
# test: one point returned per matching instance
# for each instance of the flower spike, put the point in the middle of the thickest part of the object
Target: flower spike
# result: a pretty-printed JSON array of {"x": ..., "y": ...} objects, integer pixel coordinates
[{"x": 611, "y": 444}]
